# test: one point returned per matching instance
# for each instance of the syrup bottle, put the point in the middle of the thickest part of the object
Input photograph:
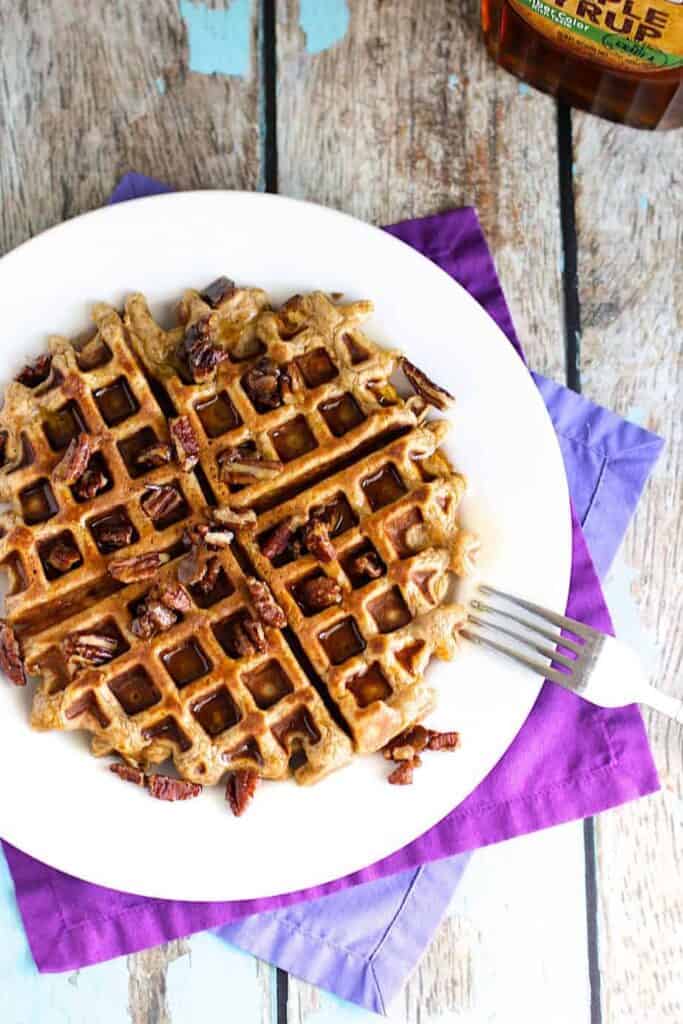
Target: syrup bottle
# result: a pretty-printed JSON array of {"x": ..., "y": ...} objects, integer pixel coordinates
[{"x": 621, "y": 59}]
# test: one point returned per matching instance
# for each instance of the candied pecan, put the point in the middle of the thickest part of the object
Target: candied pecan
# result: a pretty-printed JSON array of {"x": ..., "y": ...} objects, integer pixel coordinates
[
  {"x": 426, "y": 388},
  {"x": 317, "y": 540},
  {"x": 262, "y": 384},
  {"x": 36, "y": 372},
  {"x": 88, "y": 650},
  {"x": 443, "y": 740},
  {"x": 217, "y": 291},
  {"x": 321, "y": 592},
  {"x": 161, "y": 501},
  {"x": 63, "y": 555},
  {"x": 173, "y": 595},
  {"x": 138, "y": 567},
  {"x": 128, "y": 773},
  {"x": 268, "y": 610},
  {"x": 91, "y": 483},
  {"x": 367, "y": 564},
  {"x": 161, "y": 787},
  {"x": 115, "y": 535},
  {"x": 198, "y": 347},
  {"x": 278, "y": 542},
  {"x": 234, "y": 464},
  {"x": 255, "y": 635},
  {"x": 240, "y": 789},
  {"x": 402, "y": 775},
  {"x": 227, "y": 516},
  {"x": 185, "y": 443},
  {"x": 11, "y": 661},
  {"x": 156, "y": 454},
  {"x": 218, "y": 538},
  {"x": 74, "y": 462}
]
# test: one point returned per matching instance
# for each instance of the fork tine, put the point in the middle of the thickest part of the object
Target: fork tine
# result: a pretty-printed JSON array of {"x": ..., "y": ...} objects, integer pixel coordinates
[
  {"x": 578, "y": 628},
  {"x": 543, "y": 649},
  {"x": 556, "y": 638},
  {"x": 509, "y": 652}
]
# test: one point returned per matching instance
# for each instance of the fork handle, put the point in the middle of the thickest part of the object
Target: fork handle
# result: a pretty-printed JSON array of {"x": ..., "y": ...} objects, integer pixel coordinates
[{"x": 672, "y": 707}]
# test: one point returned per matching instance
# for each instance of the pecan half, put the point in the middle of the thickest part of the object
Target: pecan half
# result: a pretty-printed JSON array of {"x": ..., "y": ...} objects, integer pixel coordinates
[
  {"x": 173, "y": 595},
  {"x": 161, "y": 501},
  {"x": 197, "y": 346},
  {"x": 217, "y": 291},
  {"x": 74, "y": 462},
  {"x": 317, "y": 540},
  {"x": 11, "y": 661},
  {"x": 416, "y": 738},
  {"x": 402, "y": 775},
  {"x": 115, "y": 535},
  {"x": 268, "y": 610},
  {"x": 320, "y": 592},
  {"x": 156, "y": 454},
  {"x": 238, "y": 462},
  {"x": 91, "y": 483},
  {"x": 240, "y": 789},
  {"x": 36, "y": 372},
  {"x": 432, "y": 393},
  {"x": 88, "y": 650},
  {"x": 128, "y": 773},
  {"x": 163, "y": 788},
  {"x": 185, "y": 443},
  {"x": 138, "y": 567},
  {"x": 278, "y": 542},
  {"x": 367, "y": 564},
  {"x": 262, "y": 384},
  {"x": 63, "y": 555},
  {"x": 227, "y": 516}
]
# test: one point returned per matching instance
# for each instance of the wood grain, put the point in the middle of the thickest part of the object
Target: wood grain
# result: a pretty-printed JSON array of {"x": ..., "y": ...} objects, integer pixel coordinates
[{"x": 631, "y": 289}]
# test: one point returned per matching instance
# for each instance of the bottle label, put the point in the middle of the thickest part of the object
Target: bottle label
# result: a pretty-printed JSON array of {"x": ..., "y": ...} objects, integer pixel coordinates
[{"x": 631, "y": 34}]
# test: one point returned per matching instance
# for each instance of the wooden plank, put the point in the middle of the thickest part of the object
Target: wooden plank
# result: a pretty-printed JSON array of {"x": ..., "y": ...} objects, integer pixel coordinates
[
  {"x": 90, "y": 91},
  {"x": 401, "y": 114},
  {"x": 631, "y": 291}
]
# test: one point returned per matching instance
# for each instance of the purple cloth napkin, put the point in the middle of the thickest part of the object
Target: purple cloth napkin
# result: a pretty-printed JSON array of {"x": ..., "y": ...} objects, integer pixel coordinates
[{"x": 361, "y": 935}]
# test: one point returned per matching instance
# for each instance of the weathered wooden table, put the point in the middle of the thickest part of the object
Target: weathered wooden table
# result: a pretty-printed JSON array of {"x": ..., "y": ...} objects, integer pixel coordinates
[{"x": 391, "y": 110}]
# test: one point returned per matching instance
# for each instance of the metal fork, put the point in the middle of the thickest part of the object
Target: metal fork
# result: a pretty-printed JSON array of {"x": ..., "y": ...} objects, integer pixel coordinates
[{"x": 598, "y": 667}]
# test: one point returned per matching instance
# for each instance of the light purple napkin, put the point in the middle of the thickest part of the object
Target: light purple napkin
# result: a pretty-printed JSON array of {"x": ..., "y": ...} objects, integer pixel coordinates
[{"x": 360, "y": 936}]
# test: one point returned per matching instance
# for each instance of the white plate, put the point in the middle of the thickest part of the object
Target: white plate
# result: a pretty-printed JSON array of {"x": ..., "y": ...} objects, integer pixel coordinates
[{"x": 62, "y": 806}]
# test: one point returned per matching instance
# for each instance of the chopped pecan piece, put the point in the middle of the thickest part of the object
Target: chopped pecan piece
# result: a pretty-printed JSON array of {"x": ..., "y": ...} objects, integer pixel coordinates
[
  {"x": 227, "y": 516},
  {"x": 173, "y": 595},
  {"x": 209, "y": 576},
  {"x": 240, "y": 789},
  {"x": 218, "y": 538},
  {"x": 317, "y": 540},
  {"x": 63, "y": 555},
  {"x": 426, "y": 388},
  {"x": 138, "y": 567},
  {"x": 417, "y": 738},
  {"x": 217, "y": 291},
  {"x": 11, "y": 661},
  {"x": 88, "y": 650},
  {"x": 154, "y": 455},
  {"x": 443, "y": 740},
  {"x": 262, "y": 384},
  {"x": 161, "y": 501},
  {"x": 367, "y": 564},
  {"x": 161, "y": 787},
  {"x": 36, "y": 372},
  {"x": 235, "y": 464},
  {"x": 91, "y": 483},
  {"x": 115, "y": 535},
  {"x": 185, "y": 443},
  {"x": 321, "y": 592},
  {"x": 255, "y": 637},
  {"x": 128, "y": 773},
  {"x": 74, "y": 462},
  {"x": 278, "y": 542},
  {"x": 152, "y": 617},
  {"x": 268, "y": 610},
  {"x": 402, "y": 775},
  {"x": 203, "y": 356}
]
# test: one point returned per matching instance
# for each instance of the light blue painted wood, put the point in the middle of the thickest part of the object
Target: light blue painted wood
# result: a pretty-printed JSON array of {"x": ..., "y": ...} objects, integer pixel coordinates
[
  {"x": 217, "y": 981},
  {"x": 219, "y": 40},
  {"x": 98, "y": 995}
]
